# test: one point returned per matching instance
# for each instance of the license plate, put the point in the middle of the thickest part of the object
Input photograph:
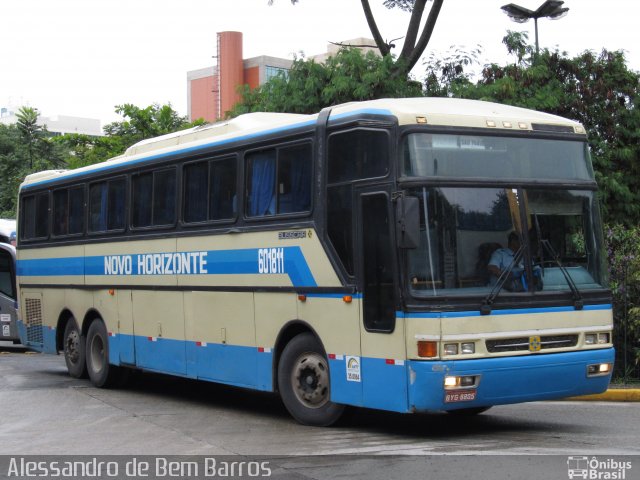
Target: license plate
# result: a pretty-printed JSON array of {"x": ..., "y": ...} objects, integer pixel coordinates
[{"x": 460, "y": 396}]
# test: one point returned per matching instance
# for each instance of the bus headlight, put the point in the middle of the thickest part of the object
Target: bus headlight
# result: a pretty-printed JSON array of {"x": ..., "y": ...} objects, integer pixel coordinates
[
  {"x": 600, "y": 338},
  {"x": 450, "y": 348},
  {"x": 468, "y": 348}
]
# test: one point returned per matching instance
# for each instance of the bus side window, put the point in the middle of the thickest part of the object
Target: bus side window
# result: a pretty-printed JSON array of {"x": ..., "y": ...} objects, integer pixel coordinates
[
  {"x": 261, "y": 183},
  {"x": 358, "y": 154},
  {"x": 68, "y": 211},
  {"x": 106, "y": 205},
  {"x": 279, "y": 181},
  {"x": 35, "y": 221},
  {"x": 154, "y": 198},
  {"x": 294, "y": 179},
  {"x": 210, "y": 190}
]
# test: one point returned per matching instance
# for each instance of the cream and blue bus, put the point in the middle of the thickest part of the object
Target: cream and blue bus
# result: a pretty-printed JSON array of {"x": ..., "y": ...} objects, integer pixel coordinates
[{"x": 408, "y": 255}]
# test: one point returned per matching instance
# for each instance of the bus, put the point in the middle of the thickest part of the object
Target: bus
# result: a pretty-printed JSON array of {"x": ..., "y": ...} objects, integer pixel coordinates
[{"x": 346, "y": 258}]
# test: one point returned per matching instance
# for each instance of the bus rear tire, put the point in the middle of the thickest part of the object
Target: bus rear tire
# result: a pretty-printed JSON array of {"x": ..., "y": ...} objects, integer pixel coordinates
[
  {"x": 101, "y": 373},
  {"x": 74, "y": 350},
  {"x": 304, "y": 383}
]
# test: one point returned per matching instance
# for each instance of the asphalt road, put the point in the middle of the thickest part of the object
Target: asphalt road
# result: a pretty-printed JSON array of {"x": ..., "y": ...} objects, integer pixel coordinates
[{"x": 45, "y": 412}]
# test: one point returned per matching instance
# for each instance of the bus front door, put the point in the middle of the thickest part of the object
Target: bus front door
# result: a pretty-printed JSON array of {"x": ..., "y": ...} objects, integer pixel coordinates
[{"x": 384, "y": 378}]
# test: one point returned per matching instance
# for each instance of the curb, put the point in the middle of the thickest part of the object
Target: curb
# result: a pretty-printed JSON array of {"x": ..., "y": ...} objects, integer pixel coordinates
[{"x": 611, "y": 395}]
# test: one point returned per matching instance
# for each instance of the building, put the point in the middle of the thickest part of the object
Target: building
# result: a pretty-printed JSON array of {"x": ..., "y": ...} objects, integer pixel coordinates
[
  {"x": 58, "y": 124},
  {"x": 212, "y": 91}
]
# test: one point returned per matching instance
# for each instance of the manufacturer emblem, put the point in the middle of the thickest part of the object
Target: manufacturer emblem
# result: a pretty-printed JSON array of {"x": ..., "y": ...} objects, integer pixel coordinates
[{"x": 534, "y": 344}]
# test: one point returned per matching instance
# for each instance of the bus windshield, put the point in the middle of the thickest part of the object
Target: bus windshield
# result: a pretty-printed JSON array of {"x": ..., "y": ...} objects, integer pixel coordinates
[
  {"x": 445, "y": 155},
  {"x": 465, "y": 231}
]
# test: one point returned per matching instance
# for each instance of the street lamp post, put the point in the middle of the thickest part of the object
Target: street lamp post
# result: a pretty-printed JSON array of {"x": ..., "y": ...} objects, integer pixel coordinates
[{"x": 551, "y": 9}]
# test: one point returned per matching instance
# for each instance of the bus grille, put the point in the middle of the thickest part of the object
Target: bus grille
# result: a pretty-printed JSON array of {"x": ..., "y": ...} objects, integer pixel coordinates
[
  {"x": 522, "y": 343},
  {"x": 34, "y": 320}
]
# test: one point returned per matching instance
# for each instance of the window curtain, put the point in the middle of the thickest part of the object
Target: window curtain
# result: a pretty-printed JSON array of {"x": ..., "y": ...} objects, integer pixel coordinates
[{"x": 262, "y": 195}]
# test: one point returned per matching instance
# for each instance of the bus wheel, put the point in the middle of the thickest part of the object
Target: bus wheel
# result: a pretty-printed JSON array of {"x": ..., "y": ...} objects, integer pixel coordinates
[
  {"x": 74, "y": 350},
  {"x": 303, "y": 381},
  {"x": 100, "y": 372}
]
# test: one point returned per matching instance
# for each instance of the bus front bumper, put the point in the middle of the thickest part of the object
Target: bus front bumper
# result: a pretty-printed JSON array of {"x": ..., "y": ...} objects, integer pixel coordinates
[{"x": 506, "y": 380}]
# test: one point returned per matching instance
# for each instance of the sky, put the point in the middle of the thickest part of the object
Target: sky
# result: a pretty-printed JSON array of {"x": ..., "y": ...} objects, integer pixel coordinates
[{"x": 84, "y": 57}]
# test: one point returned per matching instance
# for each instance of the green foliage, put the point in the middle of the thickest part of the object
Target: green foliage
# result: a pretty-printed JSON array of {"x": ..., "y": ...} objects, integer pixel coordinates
[
  {"x": 25, "y": 147},
  {"x": 137, "y": 124},
  {"x": 623, "y": 251},
  {"x": 597, "y": 90},
  {"x": 348, "y": 76}
]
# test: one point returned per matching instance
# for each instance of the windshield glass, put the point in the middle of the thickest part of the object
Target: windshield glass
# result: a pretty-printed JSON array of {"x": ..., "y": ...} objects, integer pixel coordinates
[
  {"x": 468, "y": 236},
  {"x": 443, "y": 155}
]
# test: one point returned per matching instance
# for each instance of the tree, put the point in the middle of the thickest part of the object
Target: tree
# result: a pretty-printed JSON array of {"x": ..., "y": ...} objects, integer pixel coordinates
[
  {"x": 25, "y": 148},
  {"x": 137, "y": 124},
  {"x": 415, "y": 42},
  {"x": 596, "y": 89},
  {"x": 29, "y": 129},
  {"x": 309, "y": 86}
]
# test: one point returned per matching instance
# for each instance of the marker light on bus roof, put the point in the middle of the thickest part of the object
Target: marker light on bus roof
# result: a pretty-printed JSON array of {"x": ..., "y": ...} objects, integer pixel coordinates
[
  {"x": 522, "y": 125},
  {"x": 491, "y": 123},
  {"x": 507, "y": 124},
  {"x": 421, "y": 119}
]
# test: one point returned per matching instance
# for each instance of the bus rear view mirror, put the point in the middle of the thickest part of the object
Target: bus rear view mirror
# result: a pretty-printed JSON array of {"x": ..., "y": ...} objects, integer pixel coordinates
[{"x": 408, "y": 222}]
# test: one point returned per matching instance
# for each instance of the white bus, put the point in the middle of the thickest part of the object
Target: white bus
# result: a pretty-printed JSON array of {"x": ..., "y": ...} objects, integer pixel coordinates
[{"x": 343, "y": 258}]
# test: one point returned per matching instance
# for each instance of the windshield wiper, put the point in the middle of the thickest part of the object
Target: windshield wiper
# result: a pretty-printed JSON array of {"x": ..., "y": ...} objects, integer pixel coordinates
[
  {"x": 577, "y": 298},
  {"x": 485, "y": 307}
]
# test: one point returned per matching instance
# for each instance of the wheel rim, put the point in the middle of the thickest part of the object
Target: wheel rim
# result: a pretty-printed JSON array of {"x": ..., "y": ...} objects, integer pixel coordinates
[
  {"x": 310, "y": 380},
  {"x": 97, "y": 353},
  {"x": 72, "y": 346}
]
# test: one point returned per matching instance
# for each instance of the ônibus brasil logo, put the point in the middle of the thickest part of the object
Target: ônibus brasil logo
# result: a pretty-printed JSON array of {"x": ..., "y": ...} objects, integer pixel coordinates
[{"x": 597, "y": 468}]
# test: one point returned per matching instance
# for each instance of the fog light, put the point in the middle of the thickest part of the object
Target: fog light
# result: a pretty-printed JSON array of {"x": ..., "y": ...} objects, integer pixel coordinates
[
  {"x": 603, "y": 338},
  {"x": 599, "y": 369},
  {"x": 451, "y": 381},
  {"x": 451, "y": 349},
  {"x": 590, "y": 339},
  {"x": 467, "y": 381},
  {"x": 468, "y": 348}
]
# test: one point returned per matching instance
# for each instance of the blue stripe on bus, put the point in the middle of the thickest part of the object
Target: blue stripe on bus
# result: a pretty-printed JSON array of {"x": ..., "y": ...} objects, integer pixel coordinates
[
  {"x": 510, "y": 311},
  {"x": 219, "y": 262},
  {"x": 412, "y": 385},
  {"x": 104, "y": 167}
]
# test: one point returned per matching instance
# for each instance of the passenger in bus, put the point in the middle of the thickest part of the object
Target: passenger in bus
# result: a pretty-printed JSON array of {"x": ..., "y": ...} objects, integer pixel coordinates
[{"x": 502, "y": 258}]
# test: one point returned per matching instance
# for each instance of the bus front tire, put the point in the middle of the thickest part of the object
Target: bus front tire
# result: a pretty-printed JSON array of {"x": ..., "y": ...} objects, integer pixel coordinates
[
  {"x": 74, "y": 350},
  {"x": 101, "y": 373},
  {"x": 304, "y": 384}
]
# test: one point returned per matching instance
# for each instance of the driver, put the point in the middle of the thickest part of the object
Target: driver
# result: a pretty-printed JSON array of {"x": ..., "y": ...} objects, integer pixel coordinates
[{"x": 502, "y": 258}]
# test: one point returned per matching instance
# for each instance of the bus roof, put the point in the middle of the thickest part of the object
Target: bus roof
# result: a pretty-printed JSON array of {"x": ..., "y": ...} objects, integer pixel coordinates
[{"x": 448, "y": 112}]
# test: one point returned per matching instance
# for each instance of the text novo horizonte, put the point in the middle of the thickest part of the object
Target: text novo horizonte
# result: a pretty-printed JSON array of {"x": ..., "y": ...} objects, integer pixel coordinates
[{"x": 182, "y": 263}]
